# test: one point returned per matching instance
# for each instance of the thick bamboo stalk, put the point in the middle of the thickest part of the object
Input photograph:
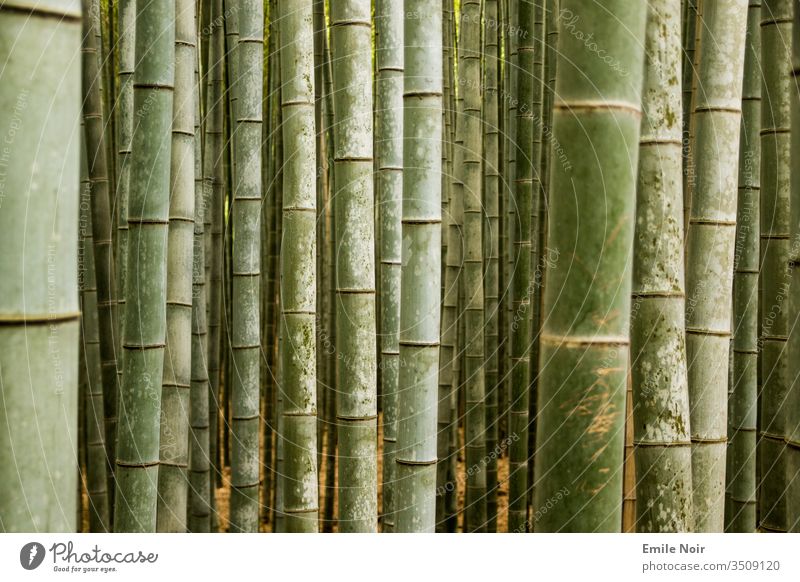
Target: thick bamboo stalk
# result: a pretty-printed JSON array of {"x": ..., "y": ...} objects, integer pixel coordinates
[
  {"x": 584, "y": 343},
  {"x": 710, "y": 249},
  {"x": 356, "y": 406},
  {"x": 299, "y": 269},
  {"x": 658, "y": 336},
  {"x": 176, "y": 387},
  {"x": 389, "y": 158},
  {"x": 39, "y": 327},
  {"x": 421, "y": 268},
  {"x": 742, "y": 403},
  {"x": 776, "y": 27},
  {"x": 145, "y": 325}
]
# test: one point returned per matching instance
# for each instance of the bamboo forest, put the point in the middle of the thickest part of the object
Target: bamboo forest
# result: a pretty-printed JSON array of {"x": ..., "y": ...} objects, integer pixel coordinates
[{"x": 399, "y": 266}]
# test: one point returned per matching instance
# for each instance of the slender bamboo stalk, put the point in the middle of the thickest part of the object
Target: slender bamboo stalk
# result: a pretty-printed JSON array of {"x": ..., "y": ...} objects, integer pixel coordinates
[
  {"x": 491, "y": 239},
  {"x": 356, "y": 407},
  {"x": 199, "y": 511},
  {"x": 776, "y": 27},
  {"x": 246, "y": 266},
  {"x": 39, "y": 327},
  {"x": 710, "y": 249},
  {"x": 658, "y": 336},
  {"x": 584, "y": 343},
  {"x": 145, "y": 325},
  {"x": 793, "y": 396},
  {"x": 96, "y": 460},
  {"x": 101, "y": 225},
  {"x": 445, "y": 480},
  {"x": 213, "y": 227},
  {"x": 176, "y": 387},
  {"x": 389, "y": 157},
  {"x": 421, "y": 268},
  {"x": 125, "y": 120},
  {"x": 521, "y": 296},
  {"x": 742, "y": 403},
  {"x": 538, "y": 255},
  {"x": 475, "y": 421}
]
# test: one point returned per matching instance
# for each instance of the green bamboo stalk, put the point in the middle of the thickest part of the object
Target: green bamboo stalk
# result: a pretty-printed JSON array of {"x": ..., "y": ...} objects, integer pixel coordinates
[
  {"x": 145, "y": 325},
  {"x": 213, "y": 228},
  {"x": 445, "y": 482},
  {"x": 710, "y": 250},
  {"x": 39, "y": 317},
  {"x": 520, "y": 292},
  {"x": 538, "y": 252},
  {"x": 356, "y": 407},
  {"x": 658, "y": 336},
  {"x": 199, "y": 510},
  {"x": 793, "y": 396},
  {"x": 742, "y": 403},
  {"x": 491, "y": 239},
  {"x": 176, "y": 386},
  {"x": 475, "y": 421},
  {"x": 246, "y": 265},
  {"x": 330, "y": 271},
  {"x": 96, "y": 460},
  {"x": 584, "y": 342},
  {"x": 299, "y": 269},
  {"x": 323, "y": 395},
  {"x": 690, "y": 33},
  {"x": 776, "y": 27},
  {"x": 268, "y": 177},
  {"x": 125, "y": 121},
  {"x": 420, "y": 290},
  {"x": 102, "y": 227},
  {"x": 389, "y": 157}
]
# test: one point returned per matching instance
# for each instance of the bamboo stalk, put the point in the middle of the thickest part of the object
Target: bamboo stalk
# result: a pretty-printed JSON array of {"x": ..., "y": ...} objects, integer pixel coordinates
[{"x": 584, "y": 342}]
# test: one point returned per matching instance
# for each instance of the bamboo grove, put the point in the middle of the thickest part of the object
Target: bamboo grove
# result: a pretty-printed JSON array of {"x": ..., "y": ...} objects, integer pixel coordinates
[{"x": 400, "y": 266}]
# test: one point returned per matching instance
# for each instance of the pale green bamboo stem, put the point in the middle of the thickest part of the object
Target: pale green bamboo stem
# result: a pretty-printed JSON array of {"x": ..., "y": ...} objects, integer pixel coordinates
[
  {"x": 420, "y": 283},
  {"x": 298, "y": 384},
  {"x": 356, "y": 409},
  {"x": 658, "y": 337},
  {"x": 176, "y": 387},
  {"x": 710, "y": 248},
  {"x": 39, "y": 327},
  {"x": 145, "y": 326},
  {"x": 246, "y": 265},
  {"x": 389, "y": 158}
]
